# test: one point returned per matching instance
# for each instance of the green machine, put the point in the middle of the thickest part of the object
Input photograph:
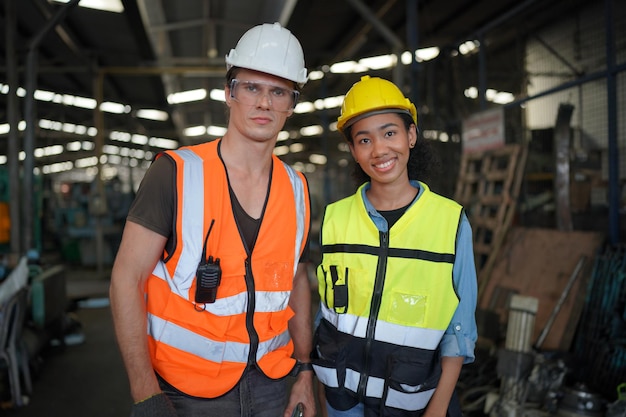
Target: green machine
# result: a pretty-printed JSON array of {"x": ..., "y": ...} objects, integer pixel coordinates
[{"x": 5, "y": 219}]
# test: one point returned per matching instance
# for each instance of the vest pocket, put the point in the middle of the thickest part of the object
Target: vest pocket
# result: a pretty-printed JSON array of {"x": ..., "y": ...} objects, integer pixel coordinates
[
  {"x": 413, "y": 372},
  {"x": 330, "y": 353},
  {"x": 410, "y": 382},
  {"x": 330, "y": 356},
  {"x": 406, "y": 309}
]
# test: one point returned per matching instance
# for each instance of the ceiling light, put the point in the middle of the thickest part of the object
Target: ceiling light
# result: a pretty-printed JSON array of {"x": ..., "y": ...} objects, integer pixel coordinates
[
  {"x": 379, "y": 62},
  {"x": 84, "y": 102},
  {"x": 499, "y": 97},
  {"x": 329, "y": 102},
  {"x": 68, "y": 127},
  {"x": 50, "y": 125},
  {"x": 312, "y": 130},
  {"x": 318, "y": 159},
  {"x": 304, "y": 107},
  {"x": 137, "y": 153},
  {"x": 426, "y": 54},
  {"x": 86, "y": 162},
  {"x": 115, "y": 159},
  {"x": 111, "y": 107},
  {"x": 471, "y": 92},
  {"x": 468, "y": 47},
  {"x": 42, "y": 95},
  {"x": 217, "y": 95},
  {"x": 296, "y": 147},
  {"x": 347, "y": 67},
  {"x": 104, "y": 5},
  {"x": 111, "y": 149},
  {"x": 194, "y": 131},
  {"x": 152, "y": 114},
  {"x": 281, "y": 150},
  {"x": 120, "y": 136},
  {"x": 163, "y": 143},
  {"x": 316, "y": 75},
  {"x": 58, "y": 167},
  {"x": 216, "y": 130},
  {"x": 48, "y": 151},
  {"x": 139, "y": 139},
  {"x": 187, "y": 96},
  {"x": 421, "y": 55}
]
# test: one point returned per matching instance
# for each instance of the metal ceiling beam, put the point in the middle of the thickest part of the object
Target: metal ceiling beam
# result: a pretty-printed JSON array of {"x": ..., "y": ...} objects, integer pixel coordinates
[
  {"x": 397, "y": 45},
  {"x": 153, "y": 16},
  {"x": 357, "y": 41},
  {"x": 64, "y": 34},
  {"x": 186, "y": 24},
  {"x": 370, "y": 17},
  {"x": 286, "y": 11}
]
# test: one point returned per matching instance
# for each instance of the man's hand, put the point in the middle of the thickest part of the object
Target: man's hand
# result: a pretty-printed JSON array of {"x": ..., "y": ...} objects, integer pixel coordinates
[
  {"x": 302, "y": 392},
  {"x": 155, "y": 406}
]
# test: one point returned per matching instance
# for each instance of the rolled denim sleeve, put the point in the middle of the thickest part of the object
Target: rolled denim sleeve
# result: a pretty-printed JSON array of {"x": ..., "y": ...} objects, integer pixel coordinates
[{"x": 460, "y": 337}]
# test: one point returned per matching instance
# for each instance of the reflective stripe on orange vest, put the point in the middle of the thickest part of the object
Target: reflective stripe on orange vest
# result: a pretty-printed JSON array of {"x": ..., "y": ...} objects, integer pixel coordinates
[{"x": 183, "y": 339}]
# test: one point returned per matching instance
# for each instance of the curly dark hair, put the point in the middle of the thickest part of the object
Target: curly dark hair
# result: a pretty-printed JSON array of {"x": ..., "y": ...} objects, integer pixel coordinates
[{"x": 423, "y": 165}]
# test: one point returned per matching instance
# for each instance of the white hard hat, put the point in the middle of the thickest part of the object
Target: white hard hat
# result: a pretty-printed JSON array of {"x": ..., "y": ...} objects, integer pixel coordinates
[{"x": 272, "y": 49}]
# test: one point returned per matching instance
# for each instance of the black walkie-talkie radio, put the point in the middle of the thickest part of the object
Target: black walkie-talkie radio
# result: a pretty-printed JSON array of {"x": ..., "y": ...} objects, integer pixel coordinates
[{"x": 208, "y": 275}]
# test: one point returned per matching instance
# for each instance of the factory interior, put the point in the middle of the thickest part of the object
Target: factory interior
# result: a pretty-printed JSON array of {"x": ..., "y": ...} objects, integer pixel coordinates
[{"x": 524, "y": 103}]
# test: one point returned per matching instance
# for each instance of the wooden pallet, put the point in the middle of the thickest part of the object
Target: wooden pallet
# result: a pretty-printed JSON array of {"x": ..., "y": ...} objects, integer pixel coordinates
[{"x": 488, "y": 186}]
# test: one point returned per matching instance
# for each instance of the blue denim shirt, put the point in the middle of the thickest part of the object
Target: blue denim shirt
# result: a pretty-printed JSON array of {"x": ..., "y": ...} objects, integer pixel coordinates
[{"x": 460, "y": 337}]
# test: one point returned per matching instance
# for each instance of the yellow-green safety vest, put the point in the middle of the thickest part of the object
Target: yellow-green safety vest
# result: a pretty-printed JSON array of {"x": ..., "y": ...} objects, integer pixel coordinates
[{"x": 386, "y": 300}]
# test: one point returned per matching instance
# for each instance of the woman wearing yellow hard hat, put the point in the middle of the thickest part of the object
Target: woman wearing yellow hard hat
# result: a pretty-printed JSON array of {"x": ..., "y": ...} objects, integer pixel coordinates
[{"x": 397, "y": 279}]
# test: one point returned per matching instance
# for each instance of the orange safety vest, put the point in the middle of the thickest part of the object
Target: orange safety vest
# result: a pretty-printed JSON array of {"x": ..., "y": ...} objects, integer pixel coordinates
[{"x": 203, "y": 349}]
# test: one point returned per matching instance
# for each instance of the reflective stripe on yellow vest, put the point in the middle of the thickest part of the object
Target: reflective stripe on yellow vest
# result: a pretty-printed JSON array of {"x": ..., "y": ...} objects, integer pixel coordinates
[
  {"x": 202, "y": 350},
  {"x": 387, "y": 299}
]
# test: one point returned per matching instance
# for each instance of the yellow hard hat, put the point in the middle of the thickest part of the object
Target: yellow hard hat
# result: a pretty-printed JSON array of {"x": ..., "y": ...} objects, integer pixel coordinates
[{"x": 373, "y": 95}]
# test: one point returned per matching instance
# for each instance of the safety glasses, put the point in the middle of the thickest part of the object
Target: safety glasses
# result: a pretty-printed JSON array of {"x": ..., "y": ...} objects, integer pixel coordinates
[{"x": 250, "y": 92}]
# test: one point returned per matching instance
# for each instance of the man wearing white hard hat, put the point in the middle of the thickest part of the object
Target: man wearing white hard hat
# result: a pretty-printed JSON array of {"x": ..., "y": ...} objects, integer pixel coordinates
[{"x": 209, "y": 291}]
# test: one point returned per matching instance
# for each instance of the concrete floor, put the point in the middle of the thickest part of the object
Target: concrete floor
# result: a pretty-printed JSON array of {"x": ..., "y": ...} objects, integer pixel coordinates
[
  {"x": 86, "y": 379},
  {"x": 82, "y": 379}
]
